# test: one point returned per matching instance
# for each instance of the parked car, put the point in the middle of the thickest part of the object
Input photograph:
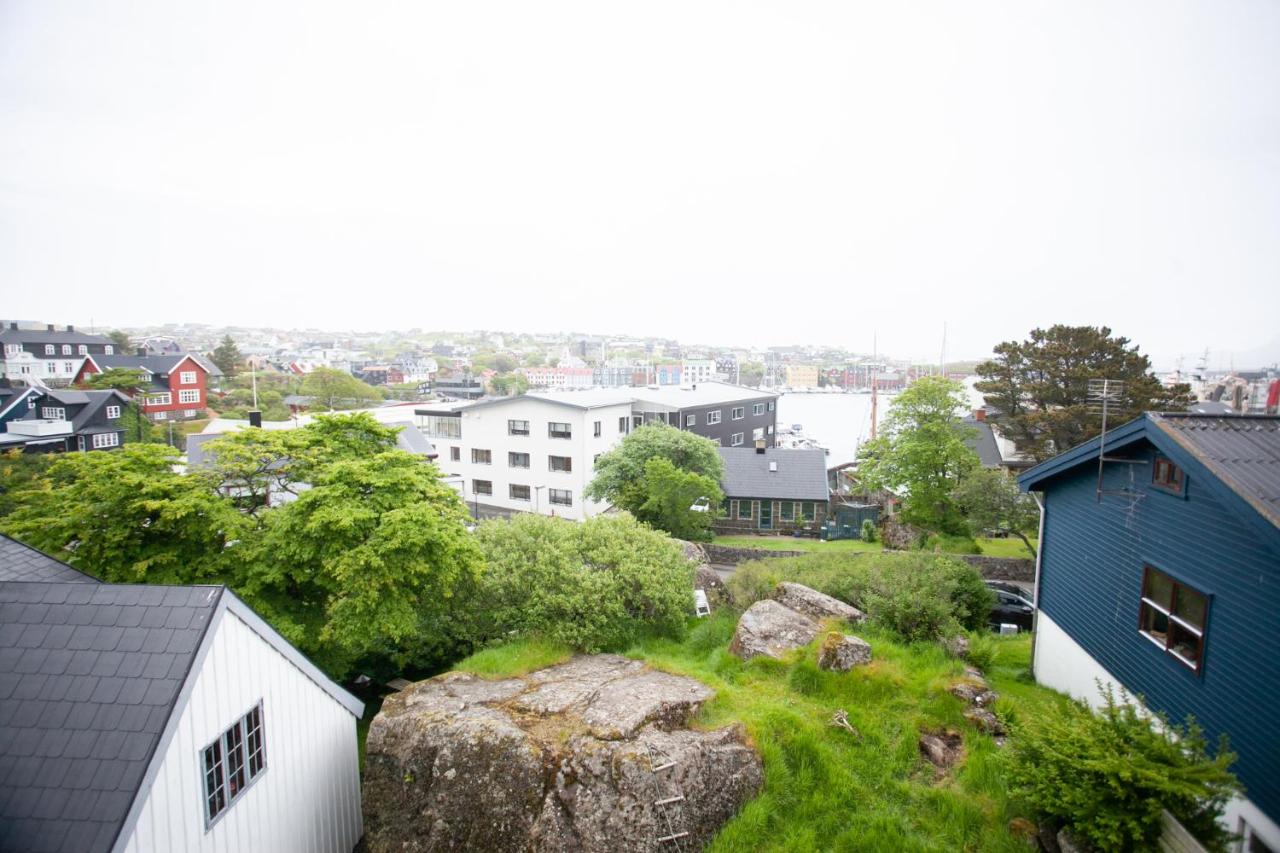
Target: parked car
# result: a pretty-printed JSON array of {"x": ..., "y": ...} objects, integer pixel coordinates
[{"x": 1012, "y": 607}]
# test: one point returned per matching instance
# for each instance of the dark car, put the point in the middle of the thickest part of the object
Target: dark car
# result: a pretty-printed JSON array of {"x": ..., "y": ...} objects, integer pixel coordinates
[{"x": 1011, "y": 607}]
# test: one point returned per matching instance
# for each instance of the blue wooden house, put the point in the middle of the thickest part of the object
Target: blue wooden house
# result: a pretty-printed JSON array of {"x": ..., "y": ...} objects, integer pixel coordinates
[{"x": 1160, "y": 572}]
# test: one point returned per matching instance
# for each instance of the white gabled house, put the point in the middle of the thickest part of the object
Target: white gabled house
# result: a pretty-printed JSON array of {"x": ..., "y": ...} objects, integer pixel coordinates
[{"x": 141, "y": 718}]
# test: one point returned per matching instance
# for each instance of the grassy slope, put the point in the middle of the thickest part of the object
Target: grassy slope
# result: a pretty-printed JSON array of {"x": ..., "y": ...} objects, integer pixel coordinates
[
  {"x": 826, "y": 789},
  {"x": 991, "y": 547}
]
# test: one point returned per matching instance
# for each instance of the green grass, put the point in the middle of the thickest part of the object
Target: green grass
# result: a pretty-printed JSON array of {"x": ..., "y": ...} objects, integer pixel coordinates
[
  {"x": 791, "y": 543},
  {"x": 825, "y": 788},
  {"x": 1010, "y": 547}
]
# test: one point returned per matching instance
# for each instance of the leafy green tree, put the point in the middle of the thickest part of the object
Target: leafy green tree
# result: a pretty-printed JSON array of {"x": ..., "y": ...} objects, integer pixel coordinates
[
  {"x": 921, "y": 451},
  {"x": 1038, "y": 388},
  {"x": 334, "y": 389},
  {"x": 127, "y": 517},
  {"x": 121, "y": 341},
  {"x": 133, "y": 382},
  {"x": 361, "y": 568},
  {"x": 751, "y": 373},
  {"x": 669, "y": 495},
  {"x": 227, "y": 356},
  {"x": 535, "y": 359},
  {"x": 619, "y": 474},
  {"x": 592, "y": 585},
  {"x": 18, "y": 472},
  {"x": 989, "y": 499},
  {"x": 510, "y": 385}
]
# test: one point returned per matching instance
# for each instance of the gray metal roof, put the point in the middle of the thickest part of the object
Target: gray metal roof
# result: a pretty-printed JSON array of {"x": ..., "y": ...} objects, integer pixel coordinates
[
  {"x": 44, "y": 336},
  {"x": 1241, "y": 450},
  {"x": 411, "y": 439},
  {"x": 800, "y": 474},
  {"x": 89, "y": 675},
  {"x": 19, "y": 562},
  {"x": 983, "y": 443}
]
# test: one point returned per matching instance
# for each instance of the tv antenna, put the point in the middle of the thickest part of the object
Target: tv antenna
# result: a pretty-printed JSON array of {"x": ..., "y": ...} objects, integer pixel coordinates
[{"x": 1105, "y": 397}]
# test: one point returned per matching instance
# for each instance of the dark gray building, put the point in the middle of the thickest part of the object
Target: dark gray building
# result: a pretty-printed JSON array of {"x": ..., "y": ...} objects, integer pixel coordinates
[
  {"x": 731, "y": 415},
  {"x": 773, "y": 490}
]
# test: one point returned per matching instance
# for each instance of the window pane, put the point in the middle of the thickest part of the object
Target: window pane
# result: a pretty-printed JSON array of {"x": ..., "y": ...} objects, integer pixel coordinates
[
  {"x": 1159, "y": 588},
  {"x": 1184, "y": 643},
  {"x": 256, "y": 743},
  {"x": 1190, "y": 606},
  {"x": 233, "y": 741},
  {"x": 215, "y": 792},
  {"x": 1155, "y": 623}
]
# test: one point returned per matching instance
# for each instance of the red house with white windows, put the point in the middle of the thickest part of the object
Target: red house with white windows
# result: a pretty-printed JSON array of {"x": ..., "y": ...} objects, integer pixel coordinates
[{"x": 176, "y": 387}]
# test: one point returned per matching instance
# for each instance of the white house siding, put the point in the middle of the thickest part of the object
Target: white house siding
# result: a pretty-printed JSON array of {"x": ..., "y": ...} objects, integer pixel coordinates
[
  {"x": 307, "y": 799},
  {"x": 1061, "y": 663},
  {"x": 485, "y": 428}
]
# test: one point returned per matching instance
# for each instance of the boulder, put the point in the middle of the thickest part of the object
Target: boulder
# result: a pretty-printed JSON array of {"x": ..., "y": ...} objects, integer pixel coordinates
[
  {"x": 768, "y": 628},
  {"x": 842, "y": 652},
  {"x": 707, "y": 580},
  {"x": 957, "y": 646},
  {"x": 694, "y": 552},
  {"x": 564, "y": 758},
  {"x": 973, "y": 691},
  {"x": 812, "y": 603},
  {"x": 942, "y": 749},
  {"x": 985, "y": 721}
]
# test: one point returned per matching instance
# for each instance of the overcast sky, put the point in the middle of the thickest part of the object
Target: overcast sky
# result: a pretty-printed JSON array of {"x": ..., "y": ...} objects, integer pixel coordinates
[{"x": 725, "y": 172}]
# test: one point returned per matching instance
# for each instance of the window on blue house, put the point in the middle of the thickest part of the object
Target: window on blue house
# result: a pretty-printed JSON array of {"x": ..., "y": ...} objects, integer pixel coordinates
[
  {"x": 1166, "y": 476},
  {"x": 1172, "y": 615}
]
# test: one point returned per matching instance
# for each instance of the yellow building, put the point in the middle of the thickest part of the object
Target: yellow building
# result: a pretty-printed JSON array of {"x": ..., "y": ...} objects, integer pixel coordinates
[{"x": 802, "y": 376}]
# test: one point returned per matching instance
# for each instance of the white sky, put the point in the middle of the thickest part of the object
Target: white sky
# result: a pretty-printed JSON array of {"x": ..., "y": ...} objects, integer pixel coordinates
[{"x": 726, "y": 172}]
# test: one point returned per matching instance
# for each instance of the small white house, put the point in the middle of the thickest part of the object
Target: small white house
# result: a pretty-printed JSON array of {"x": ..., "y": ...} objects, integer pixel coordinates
[{"x": 144, "y": 718}]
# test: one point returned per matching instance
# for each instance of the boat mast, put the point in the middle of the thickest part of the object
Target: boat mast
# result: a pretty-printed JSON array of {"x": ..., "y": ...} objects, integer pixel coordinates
[{"x": 874, "y": 346}]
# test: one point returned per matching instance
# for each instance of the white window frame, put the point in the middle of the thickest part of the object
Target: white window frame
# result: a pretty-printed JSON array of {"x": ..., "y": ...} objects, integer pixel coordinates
[
  {"x": 50, "y": 349},
  {"x": 568, "y": 460},
  {"x": 552, "y": 432},
  {"x": 690, "y": 420},
  {"x": 475, "y": 490},
  {"x": 108, "y": 350},
  {"x": 475, "y": 456},
  {"x": 161, "y": 416},
  {"x": 66, "y": 349},
  {"x": 757, "y": 409},
  {"x": 512, "y": 429},
  {"x": 113, "y": 412},
  {"x": 213, "y": 766},
  {"x": 53, "y": 413},
  {"x": 187, "y": 377},
  {"x": 189, "y": 395},
  {"x": 737, "y": 413},
  {"x": 714, "y": 417},
  {"x": 771, "y": 405},
  {"x": 162, "y": 399},
  {"x": 735, "y": 440},
  {"x": 105, "y": 439},
  {"x": 82, "y": 349},
  {"x": 511, "y": 492}
]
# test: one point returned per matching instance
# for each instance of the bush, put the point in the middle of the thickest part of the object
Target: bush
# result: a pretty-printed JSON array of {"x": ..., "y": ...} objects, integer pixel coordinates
[
  {"x": 868, "y": 530},
  {"x": 1107, "y": 776},
  {"x": 593, "y": 585},
  {"x": 982, "y": 651},
  {"x": 946, "y": 544},
  {"x": 917, "y": 596}
]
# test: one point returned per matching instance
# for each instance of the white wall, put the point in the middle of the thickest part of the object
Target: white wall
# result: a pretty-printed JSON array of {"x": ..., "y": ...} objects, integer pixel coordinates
[
  {"x": 1061, "y": 663},
  {"x": 308, "y": 798},
  {"x": 485, "y": 427}
]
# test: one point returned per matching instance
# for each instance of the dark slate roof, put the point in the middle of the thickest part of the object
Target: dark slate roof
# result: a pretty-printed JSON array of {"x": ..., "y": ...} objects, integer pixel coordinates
[
  {"x": 983, "y": 443},
  {"x": 1210, "y": 407},
  {"x": 21, "y": 563},
  {"x": 801, "y": 474},
  {"x": 92, "y": 402},
  {"x": 159, "y": 364},
  {"x": 44, "y": 336},
  {"x": 89, "y": 675},
  {"x": 1241, "y": 450}
]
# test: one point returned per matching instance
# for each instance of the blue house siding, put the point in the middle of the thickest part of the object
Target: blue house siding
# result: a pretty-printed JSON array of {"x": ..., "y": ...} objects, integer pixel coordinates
[{"x": 1091, "y": 582}]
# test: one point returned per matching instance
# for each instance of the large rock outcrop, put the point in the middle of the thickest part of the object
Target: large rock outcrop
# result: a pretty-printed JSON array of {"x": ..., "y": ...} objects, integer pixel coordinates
[
  {"x": 769, "y": 628},
  {"x": 565, "y": 758},
  {"x": 814, "y": 604}
]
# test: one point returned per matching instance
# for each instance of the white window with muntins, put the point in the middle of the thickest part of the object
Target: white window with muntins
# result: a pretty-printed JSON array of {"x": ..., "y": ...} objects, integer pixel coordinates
[
  {"x": 105, "y": 439},
  {"x": 735, "y": 439},
  {"x": 66, "y": 349},
  {"x": 232, "y": 763},
  {"x": 738, "y": 413},
  {"x": 757, "y": 409},
  {"x": 53, "y": 413},
  {"x": 82, "y": 349},
  {"x": 109, "y": 349},
  {"x": 713, "y": 417},
  {"x": 187, "y": 377},
  {"x": 160, "y": 399},
  {"x": 189, "y": 396},
  {"x": 113, "y": 412},
  {"x": 49, "y": 349}
]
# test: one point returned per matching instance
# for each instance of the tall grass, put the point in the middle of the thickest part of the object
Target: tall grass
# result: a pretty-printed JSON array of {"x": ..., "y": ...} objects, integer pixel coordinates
[{"x": 826, "y": 788}]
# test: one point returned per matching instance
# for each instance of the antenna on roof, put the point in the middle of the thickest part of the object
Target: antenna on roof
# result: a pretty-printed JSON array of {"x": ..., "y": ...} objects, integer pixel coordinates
[{"x": 1104, "y": 396}]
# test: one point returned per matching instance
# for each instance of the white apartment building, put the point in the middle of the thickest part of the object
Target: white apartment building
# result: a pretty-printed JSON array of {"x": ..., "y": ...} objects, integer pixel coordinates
[
  {"x": 533, "y": 453},
  {"x": 559, "y": 377},
  {"x": 697, "y": 370}
]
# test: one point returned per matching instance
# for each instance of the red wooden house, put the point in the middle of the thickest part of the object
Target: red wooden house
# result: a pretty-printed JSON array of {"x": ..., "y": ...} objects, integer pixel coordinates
[{"x": 177, "y": 386}]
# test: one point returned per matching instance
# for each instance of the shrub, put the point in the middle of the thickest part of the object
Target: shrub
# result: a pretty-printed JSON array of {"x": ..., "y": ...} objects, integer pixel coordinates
[
  {"x": 982, "y": 651},
  {"x": 1107, "y": 776},
  {"x": 593, "y": 585},
  {"x": 917, "y": 596},
  {"x": 868, "y": 532}
]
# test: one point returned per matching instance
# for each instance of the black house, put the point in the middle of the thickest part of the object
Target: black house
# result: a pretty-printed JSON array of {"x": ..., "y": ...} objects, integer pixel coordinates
[{"x": 56, "y": 421}]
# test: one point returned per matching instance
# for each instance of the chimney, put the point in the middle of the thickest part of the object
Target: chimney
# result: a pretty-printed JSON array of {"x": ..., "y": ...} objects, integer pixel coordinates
[
  {"x": 255, "y": 418},
  {"x": 13, "y": 326},
  {"x": 70, "y": 328},
  {"x": 979, "y": 414},
  {"x": 50, "y": 327},
  {"x": 760, "y": 447}
]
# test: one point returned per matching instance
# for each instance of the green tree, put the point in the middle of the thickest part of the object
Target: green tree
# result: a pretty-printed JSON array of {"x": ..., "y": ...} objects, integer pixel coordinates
[
  {"x": 121, "y": 341},
  {"x": 361, "y": 568},
  {"x": 620, "y": 474},
  {"x": 989, "y": 499},
  {"x": 19, "y": 472},
  {"x": 1038, "y": 388},
  {"x": 127, "y": 517},
  {"x": 921, "y": 452},
  {"x": 133, "y": 382},
  {"x": 334, "y": 389},
  {"x": 227, "y": 356},
  {"x": 510, "y": 385},
  {"x": 593, "y": 585},
  {"x": 669, "y": 495}
]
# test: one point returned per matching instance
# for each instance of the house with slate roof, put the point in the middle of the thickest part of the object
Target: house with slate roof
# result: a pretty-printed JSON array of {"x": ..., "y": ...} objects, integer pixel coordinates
[
  {"x": 50, "y": 420},
  {"x": 773, "y": 490},
  {"x": 177, "y": 386},
  {"x": 1160, "y": 572},
  {"x": 48, "y": 356},
  {"x": 143, "y": 718}
]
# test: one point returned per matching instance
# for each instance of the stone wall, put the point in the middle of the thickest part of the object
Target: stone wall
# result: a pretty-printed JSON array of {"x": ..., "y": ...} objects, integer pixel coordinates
[
  {"x": 727, "y": 555},
  {"x": 1020, "y": 569}
]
